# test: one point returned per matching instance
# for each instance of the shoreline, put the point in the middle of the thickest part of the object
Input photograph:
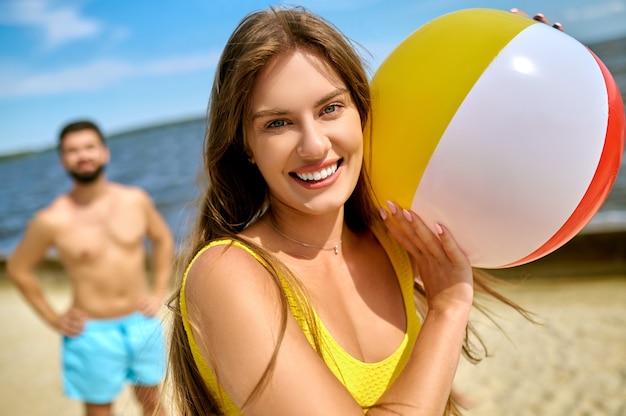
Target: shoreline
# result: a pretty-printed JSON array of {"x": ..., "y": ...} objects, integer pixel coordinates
[{"x": 585, "y": 254}]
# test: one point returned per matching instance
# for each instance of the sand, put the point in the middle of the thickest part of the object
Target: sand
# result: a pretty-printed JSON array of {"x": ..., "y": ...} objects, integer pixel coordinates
[{"x": 574, "y": 363}]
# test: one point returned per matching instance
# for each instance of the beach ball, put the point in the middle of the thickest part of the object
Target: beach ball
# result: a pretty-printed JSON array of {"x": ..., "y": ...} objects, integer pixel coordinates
[{"x": 505, "y": 130}]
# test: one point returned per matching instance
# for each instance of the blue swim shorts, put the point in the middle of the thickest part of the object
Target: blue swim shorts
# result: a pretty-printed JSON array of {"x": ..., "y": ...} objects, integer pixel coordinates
[{"x": 111, "y": 352}]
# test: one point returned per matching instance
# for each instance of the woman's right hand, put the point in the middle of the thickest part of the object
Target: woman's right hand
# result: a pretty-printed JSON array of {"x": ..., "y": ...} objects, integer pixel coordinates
[
  {"x": 443, "y": 268},
  {"x": 425, "y": 384}
]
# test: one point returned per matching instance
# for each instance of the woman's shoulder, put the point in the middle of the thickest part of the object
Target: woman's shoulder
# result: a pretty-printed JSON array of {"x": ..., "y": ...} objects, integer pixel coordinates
[
  {"x": 221, "y": 247},
  {"x": 224, "y": 252},
  {"x": 226, "y": 286},
  {"x": 222, "y": 265}
]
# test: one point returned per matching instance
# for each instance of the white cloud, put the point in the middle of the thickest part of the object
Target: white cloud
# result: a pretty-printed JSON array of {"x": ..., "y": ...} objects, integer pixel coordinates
[
  {"x": 97, "y": 75},
  {"x": 89, "y": 77},
  {"x": 60, "y": 23}
]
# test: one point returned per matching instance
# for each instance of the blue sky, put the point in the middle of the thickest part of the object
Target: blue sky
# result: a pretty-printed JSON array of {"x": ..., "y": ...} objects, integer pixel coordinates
[{"x": 128, "y": 64}]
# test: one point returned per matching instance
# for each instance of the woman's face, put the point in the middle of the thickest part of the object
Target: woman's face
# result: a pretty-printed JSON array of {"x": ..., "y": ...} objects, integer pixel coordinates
[{"x": 305, "y": 133}]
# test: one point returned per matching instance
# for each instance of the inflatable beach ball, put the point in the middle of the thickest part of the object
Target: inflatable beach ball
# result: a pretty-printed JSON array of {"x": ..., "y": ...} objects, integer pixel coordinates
[{"x": 505, "y": 130}]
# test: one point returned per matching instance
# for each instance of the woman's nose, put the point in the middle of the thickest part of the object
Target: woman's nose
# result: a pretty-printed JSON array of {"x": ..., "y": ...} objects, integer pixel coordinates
[{"x": 314, "y": 142}]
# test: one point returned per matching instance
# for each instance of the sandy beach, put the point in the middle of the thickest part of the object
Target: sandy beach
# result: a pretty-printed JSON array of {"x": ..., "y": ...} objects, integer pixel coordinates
[{"x": 572, "y": 364}]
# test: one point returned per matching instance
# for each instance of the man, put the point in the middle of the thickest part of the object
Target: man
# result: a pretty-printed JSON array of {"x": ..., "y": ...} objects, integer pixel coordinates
[{"x": 111, "y": 334}]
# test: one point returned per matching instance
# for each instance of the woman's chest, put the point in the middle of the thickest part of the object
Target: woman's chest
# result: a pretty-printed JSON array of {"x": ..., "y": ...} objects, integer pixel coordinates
[{"x": 360, "y": 305}]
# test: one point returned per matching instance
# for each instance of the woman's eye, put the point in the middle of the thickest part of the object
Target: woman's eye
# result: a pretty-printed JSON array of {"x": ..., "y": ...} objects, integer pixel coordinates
[
  {"x": 332, "y": 108},
  {"x": 276, "y": 123}
]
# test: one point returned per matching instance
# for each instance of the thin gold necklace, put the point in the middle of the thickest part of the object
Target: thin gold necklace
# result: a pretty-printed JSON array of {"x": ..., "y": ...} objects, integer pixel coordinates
[{"x": 335, "y": 248}]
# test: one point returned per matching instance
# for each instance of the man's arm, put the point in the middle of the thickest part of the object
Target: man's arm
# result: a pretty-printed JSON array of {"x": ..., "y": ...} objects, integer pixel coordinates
[
  {"x": 162, "y": 243},
  {"x": 22, "y": 263}
]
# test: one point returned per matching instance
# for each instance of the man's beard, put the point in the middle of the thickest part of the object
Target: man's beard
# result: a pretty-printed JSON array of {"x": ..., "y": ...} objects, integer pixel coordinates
[{"x": 86, "y": 178}]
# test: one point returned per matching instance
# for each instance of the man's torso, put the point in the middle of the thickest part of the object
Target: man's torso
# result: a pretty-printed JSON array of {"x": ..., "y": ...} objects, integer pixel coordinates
[{"x": 101, "y": 246}]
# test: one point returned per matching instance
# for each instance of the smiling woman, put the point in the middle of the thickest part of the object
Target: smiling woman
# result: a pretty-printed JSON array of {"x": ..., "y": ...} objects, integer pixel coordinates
[{"x": 290, "y": 254}]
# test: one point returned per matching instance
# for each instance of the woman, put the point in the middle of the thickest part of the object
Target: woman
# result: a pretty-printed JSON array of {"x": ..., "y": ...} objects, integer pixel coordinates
[{"x": 298, "y": 296}]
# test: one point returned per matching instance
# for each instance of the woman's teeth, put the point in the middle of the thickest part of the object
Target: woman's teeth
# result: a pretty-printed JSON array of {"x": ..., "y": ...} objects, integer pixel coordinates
[{"x": 316, "y": 176}]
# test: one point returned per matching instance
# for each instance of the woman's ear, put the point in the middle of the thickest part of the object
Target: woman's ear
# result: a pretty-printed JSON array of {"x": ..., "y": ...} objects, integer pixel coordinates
[{"x": 249, "y": 155}]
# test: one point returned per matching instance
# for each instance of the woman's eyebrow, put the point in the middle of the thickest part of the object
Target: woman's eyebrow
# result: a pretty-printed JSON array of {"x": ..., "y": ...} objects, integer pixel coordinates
[
  {"x": 331, "y": 95},
  {"x": 274, "y": 112}
]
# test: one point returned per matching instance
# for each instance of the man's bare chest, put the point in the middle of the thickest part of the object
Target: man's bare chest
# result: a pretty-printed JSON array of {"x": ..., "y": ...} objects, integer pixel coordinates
[{"x": 88, "y": 234}]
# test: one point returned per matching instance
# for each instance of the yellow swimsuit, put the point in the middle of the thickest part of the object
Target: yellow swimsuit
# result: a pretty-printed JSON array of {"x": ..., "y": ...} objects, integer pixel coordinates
[{"x": 367, "y": 382}]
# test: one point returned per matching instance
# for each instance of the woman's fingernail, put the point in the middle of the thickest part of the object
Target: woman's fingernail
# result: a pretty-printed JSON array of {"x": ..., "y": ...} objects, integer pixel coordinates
[
  {"x": 407, "y": 215},
  {"x": 383, "y": 213},
  {"x": 514, "y": 10},
  {"x": 539, "y": 15},
  {"x": 558, "y": 26},
  {"x": 392, "y": 207},
  {"x": 438, "y": 228}
]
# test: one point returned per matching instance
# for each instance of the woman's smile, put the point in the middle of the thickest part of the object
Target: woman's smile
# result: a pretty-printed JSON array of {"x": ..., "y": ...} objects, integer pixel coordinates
[{"x": 318, "y": 175}]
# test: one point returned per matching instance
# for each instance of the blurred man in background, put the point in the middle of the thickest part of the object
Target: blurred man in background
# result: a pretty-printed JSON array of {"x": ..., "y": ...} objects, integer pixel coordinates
[{"x": 111, "y": 332}]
